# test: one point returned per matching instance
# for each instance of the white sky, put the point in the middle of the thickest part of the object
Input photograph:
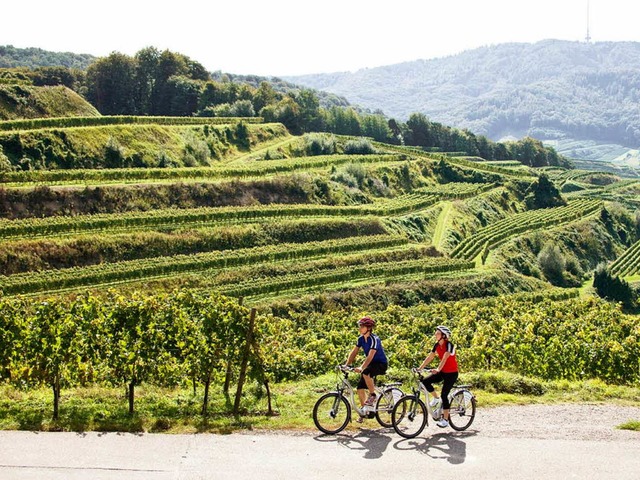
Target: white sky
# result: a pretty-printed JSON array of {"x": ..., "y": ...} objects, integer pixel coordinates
[{"x": 291, "y": 37}]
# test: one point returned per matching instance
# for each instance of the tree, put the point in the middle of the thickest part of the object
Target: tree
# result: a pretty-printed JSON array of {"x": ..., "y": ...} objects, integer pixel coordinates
[
  {"x": 419, "y": 134},
  {"x": 612, "y": 288},
  {"x": 263, "y": 96},
  {"x": 54, "y": 76},
  {"x": 111, "y": 84},
  {"x": 376, "y": 127},
  {"x": 169, "y": 64},
  {"x": 147, "y": 61},
  {"x": 343, "y": 121},
  {"x": 182, "y": 95},
  {"x": 309, "y": 108},
  {"x": 543, "y": 194}
]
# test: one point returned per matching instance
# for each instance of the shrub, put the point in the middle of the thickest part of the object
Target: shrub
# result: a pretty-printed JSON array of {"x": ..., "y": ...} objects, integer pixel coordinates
[
  {"x": 319, "y": 144},
  {"x": 552, "y": 263},
  {"x": 361, "y": 146}
]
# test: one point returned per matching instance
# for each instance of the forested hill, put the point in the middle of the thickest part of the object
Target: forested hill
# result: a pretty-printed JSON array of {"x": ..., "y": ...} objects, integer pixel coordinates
[
  {"x": 11, "y": 56},
  {"x": 549, "y": 90}
]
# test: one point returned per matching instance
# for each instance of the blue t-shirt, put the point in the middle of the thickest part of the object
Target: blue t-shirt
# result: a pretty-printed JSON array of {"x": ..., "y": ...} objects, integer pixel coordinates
[{"x": 375, "y": 343}]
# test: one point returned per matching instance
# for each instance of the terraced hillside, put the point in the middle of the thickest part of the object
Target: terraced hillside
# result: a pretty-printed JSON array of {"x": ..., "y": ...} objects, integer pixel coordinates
[{"x": 259, "y": 217}]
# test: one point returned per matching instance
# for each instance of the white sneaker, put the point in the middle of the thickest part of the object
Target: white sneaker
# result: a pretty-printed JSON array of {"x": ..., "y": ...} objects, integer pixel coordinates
[
  {"x": 442, "y": 423},
  {"x": 434, "y": 403}
]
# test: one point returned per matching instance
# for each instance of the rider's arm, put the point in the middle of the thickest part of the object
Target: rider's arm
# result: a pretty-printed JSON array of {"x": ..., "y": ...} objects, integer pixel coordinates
[
  {"x": 427, "y": 360},
  {"x": 352, "y": 355},
  {"x": 442, "y": 362},
  {"x": 369, "y": 359}
]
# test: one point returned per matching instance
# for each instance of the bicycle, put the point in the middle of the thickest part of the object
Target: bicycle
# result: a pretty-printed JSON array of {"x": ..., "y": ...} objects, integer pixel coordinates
[
  {"x": 410, "y": 414},
  {"x": 332, "y": 411}
]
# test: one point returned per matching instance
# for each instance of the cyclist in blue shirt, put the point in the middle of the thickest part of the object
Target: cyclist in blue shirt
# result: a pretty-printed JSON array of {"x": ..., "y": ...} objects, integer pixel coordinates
[{"x": 374, "y": 364}]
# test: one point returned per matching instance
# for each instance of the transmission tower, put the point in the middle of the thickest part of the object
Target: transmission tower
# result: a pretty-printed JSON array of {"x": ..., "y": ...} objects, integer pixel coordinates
[{"x": 588, "y": 37}]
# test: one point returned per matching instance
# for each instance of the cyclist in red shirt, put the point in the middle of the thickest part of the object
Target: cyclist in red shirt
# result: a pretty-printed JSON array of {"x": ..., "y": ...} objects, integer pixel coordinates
[{"x": 446, "y": 372}]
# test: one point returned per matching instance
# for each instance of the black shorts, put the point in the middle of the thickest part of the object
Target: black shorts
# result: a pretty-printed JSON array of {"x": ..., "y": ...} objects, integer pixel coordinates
[{"x": 373, "y": 370}]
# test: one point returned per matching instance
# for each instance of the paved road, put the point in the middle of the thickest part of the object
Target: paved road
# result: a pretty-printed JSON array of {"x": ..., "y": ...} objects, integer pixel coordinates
[{"x": 484, "y": 453}]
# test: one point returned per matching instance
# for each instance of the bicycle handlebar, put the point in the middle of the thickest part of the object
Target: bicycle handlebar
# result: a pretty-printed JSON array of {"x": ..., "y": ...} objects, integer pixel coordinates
[{"x": 345, "y": 368}]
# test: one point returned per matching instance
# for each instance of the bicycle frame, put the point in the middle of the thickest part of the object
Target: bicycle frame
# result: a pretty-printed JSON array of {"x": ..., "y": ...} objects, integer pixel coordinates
[
  {"x": 433, "y": 413},
  {"x": 350, "y": 394}
]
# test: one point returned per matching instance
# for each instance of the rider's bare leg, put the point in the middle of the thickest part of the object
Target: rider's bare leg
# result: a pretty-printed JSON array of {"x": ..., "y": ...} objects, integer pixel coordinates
[{"x": 370, "y": 385}]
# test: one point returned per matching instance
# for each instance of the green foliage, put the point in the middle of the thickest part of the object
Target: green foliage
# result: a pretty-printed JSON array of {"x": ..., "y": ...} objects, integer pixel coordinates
[
  {"x": 543, "y": 194},
  {"x": 5, "y": 163},
  {"x": 11, "y": 56},
  {"x": 134, "y": 145},
  {"x": 26, "y": 101},
  {"x": 549, "y": 90},
  {"x": 113, "y": 339},
  {"x": 320, "y": 144},
  {"x": 630, "y": 425},
  {"x": 506, "y": 382},
  {"x": 613, "y": 288},
  {"x": 360, "y": 146},
  {"x": 552, "y": 263}
]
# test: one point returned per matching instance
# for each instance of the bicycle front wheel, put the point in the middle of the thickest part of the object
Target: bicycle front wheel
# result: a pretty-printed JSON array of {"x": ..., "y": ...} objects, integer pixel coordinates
[
  {"x": 331, "y": 413},
  {"x": 385, "y": 404},
  {"x": 463, "y": 410},
  {"x": 409, "y": 416}
]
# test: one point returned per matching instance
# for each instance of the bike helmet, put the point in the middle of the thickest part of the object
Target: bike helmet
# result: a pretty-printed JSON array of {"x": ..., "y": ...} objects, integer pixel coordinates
[
  {"x": 367, "y": 322},
  {"x": 445, "y": 331}
]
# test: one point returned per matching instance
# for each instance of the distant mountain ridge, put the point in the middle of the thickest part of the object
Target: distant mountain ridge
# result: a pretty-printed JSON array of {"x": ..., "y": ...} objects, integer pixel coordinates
[{"x": 552, "y": 90}]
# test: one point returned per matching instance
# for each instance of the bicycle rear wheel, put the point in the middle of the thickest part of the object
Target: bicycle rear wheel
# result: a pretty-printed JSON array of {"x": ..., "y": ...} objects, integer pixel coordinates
[
  {"x": 409, "y": 416},
  {"x": 463, "y": 410},
  {"x": 331, "y": 413},
  {"x": 384, "y": 406}
]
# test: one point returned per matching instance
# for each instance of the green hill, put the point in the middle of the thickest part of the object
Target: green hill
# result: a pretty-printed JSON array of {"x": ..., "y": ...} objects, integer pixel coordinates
[
  {"x": 27, "y": 101},
  {"x": 550, "y": 90},
  {"x": 129, "y": 246}
]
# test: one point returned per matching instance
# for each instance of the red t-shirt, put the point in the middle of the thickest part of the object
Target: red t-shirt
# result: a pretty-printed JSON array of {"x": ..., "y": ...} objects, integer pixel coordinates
[{"x": 451, "y": 365}]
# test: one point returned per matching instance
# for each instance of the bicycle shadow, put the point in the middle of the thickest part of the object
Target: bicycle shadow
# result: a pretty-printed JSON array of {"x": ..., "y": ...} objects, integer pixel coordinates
[
  {"x": 447, "y": 446},
  {"x": 373, "y": 442}
]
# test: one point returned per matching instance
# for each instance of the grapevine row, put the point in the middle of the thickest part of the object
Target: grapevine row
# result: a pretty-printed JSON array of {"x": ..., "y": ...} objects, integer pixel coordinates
[
  {"x": 381, "y": 270},
  {"x": 32, "y": 282},
  {"x": 66, "y": 122},
  {"x": 171, "y": 218},
  {"x": 628, "y": 263},
  {"x": 496, "y": 233},
  {"x": 254, "y": 169}
]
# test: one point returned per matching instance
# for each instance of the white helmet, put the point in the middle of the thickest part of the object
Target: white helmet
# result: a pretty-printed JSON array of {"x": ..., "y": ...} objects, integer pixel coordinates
[{"x": 445, "y": 331}]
